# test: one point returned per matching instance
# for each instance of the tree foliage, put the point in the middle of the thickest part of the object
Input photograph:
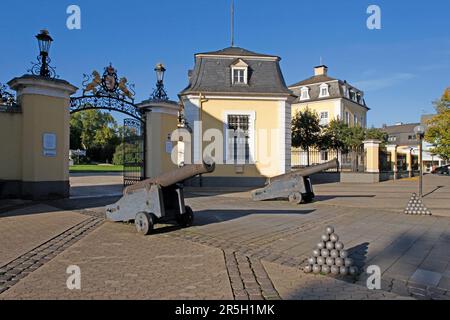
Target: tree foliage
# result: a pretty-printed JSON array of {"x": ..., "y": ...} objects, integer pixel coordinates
[
  {"x": 96, "y": 132},
  {"x": 307, "y": 133},
  {"x": 438, "y": 133},
  {"x": 333, "y": 136},
  {"x": 377, "y": 134},
  {"x": 128, "y": 152},
  {"x": 306, "y": 129}
]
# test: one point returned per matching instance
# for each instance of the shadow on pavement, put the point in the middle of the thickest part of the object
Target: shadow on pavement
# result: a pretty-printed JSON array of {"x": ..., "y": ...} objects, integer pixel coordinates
[
  {"x": 190, "y": 192},
  {"x": 330, "y": 197},
  {"x": 206, "y": 217},
  {"x": 80, "y": 204},
  {"x": 433, "y": 191},
  {"x": 26, "y": 210},
  {"x": 359, "y": 255},
  {"x": 96, "y": 190}
]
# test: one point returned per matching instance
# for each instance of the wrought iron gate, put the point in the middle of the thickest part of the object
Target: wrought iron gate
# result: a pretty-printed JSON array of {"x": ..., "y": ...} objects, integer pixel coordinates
[{"x": 133, "y": 151}]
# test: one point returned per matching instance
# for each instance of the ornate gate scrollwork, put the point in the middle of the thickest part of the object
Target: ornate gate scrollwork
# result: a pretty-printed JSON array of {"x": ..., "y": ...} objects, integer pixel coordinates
[
  {"x": 7, "y": 99},
  {"x": 133, "y": 152},
  {"x": 109, "y": 92}
]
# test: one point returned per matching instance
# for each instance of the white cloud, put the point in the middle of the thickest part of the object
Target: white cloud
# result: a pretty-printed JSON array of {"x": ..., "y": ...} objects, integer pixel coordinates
[{"x": 381, "y": 83}]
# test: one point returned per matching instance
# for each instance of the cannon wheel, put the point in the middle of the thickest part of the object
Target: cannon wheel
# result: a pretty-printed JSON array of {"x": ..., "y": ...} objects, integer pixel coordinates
[
  {"x": 187, "y": 219},
  {"x": 295, "y": 197},
  {"x": 144, "y": 223}
]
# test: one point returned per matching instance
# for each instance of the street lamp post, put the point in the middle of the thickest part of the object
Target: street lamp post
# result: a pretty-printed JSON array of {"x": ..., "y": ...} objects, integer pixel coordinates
[
  {"x": 420, "y": 133},
  {"x": 160, "y": 92},
  {"x": 43, "y": 68}
]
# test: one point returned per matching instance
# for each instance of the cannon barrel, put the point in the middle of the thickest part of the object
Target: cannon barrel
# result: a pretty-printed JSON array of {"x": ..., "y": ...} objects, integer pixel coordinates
[
  {"x": 305, "y": 172},
  {"x": 170, "y": 178}
]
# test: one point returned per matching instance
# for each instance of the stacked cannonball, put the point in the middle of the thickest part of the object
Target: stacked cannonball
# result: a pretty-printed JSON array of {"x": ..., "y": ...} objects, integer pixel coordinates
[
  {"x": 329, "y": 257},
  {"x": 415, "y": 206}
]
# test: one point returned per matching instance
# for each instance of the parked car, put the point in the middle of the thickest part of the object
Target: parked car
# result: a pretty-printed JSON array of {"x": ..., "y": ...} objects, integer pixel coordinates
[{"x": 444, "y": 170}]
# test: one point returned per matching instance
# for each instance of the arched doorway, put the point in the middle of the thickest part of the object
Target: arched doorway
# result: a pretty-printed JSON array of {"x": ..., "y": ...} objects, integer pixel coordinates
[{"x": 111, "y": 93}]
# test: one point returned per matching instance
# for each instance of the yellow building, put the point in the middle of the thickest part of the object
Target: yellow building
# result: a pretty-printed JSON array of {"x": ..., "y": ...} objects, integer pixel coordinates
[
  {"x": 330, "y": 98},
  {"x": 242, "y": 95}
]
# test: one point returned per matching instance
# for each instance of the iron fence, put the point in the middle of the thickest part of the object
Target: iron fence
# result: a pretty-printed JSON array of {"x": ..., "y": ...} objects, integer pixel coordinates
[{"x": 348, "y": 161}]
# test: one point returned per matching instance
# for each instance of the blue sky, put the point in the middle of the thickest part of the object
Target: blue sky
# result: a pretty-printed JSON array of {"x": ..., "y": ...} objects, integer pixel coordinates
[{"x": 402, "y": 68}]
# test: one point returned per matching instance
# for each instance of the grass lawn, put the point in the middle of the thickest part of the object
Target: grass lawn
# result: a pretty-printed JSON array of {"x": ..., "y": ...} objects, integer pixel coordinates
[{"x": 95, "y": 168}]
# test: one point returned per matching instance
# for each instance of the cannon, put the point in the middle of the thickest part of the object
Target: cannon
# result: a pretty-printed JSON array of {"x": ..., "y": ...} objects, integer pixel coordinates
[
  {"x": 158, "y": 200},
  {"x": 295, "y": 186}
]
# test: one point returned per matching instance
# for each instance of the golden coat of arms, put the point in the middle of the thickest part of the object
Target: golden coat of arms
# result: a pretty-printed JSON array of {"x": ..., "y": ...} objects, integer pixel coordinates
[{"x": 108, "y": 85}]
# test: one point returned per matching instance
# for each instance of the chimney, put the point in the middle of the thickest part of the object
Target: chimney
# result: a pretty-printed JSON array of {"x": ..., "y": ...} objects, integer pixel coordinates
[{"x": 321, "y": 70}]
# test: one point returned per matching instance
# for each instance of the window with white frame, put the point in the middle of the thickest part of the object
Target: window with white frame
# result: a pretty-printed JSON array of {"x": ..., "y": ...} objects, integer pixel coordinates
[
  {"x": 324, "y": 118},
  {"x": 347, "y": 117},
  {"x": 304, "y": 95},
  {"x": 392, "y": 138},
  {"x": 239, "y": 72},
  {"x": 239, "y": 76},
  {"x": 324, "y": 90},
  {"x": 352, "y": 95},
  {"x": 355, "y": 120},
  {"x": 363, "y": 124},
  {"x": 238, "y": 138}
]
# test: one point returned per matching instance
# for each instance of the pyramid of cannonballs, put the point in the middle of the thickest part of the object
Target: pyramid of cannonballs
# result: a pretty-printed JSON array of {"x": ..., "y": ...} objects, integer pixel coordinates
[
  {"x": 329, "y": 257},
  {"x": 415, "y": 206}
]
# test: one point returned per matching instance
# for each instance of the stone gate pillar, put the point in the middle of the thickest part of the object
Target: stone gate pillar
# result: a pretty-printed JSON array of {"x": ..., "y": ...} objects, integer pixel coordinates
[
  {"x": 161, "y": 121},
  {"x": 409, "y": 162},
  {"x": 372, "y": 148},
  {"x": 393, "y": 150},
  {"x": 45, "y": 136}
]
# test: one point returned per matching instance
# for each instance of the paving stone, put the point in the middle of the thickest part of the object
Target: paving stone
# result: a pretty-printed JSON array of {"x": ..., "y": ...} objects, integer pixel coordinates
[
  {"x": 426, "y": 277},
  {"x": 286, "y": 237},
  {"x": 444, "y": 284}
]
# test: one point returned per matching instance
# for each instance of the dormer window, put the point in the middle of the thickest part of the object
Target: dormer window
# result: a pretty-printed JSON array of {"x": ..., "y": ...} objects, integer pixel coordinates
[
  {"x": 324, "y": 92},
  {"x": 239, "y": 76},
  {"x": 346, "y": 92},
  {"x": 304, "y": 95},
  {"x": 239, "y": 72}
]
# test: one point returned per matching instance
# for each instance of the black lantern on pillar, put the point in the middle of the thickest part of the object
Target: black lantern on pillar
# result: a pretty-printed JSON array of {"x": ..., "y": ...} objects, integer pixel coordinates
[
  {"x": 160, "y": 70},
  {"x": 45, "y": 41},
  {"x": 43, "y": 68},
  {"x": 160, "y": 93}
]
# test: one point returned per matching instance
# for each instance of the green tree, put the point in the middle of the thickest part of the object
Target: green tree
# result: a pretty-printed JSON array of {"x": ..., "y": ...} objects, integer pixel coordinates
[
  {"x": 306, "y": 131},
  {"x": 376, "y": 134},
  {"x": 438, "y": 133},
  {"x": 76, "y": 129},
  {"x": 95, "y": 131},
  {"x": 126, "y": 151},
  {"x": 333, "y": 136},
  {"x": 118, "y": 155},
  {"x": 353, "y": 140}
]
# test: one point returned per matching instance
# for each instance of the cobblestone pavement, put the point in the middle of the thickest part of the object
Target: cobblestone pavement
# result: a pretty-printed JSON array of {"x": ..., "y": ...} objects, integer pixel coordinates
[
  {"x": 89, "y": 185},
  {"x": 388, "y": 195},
  {"x": 116, "y": 263},
  {"x": 249, "y": 279},
  {"x": 412, "y": 251},
  {"x": 20, "y": 232},
  {"x": 14, "y": 271},
  {"x": 293, "y": 284},
  {"x": 237, "y": 249}
]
